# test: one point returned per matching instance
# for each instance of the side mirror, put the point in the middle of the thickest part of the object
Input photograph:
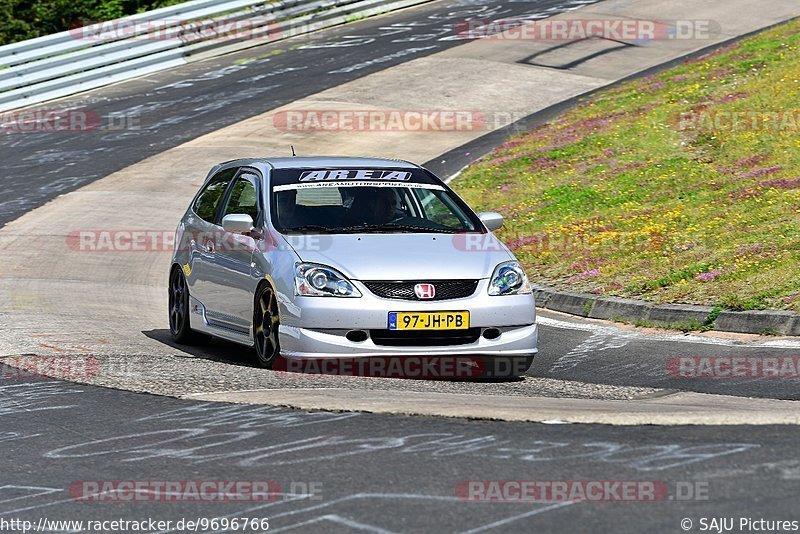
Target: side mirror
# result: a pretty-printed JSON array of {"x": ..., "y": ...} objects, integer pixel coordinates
[
  {"x": 237, "y": 223},
  {"x": 491, "y": 220}
]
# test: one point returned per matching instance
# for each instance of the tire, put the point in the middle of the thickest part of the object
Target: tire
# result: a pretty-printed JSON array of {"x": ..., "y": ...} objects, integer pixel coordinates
[
  {"x": 266, "y": 321},
  {"x": 179, "y": 323}
]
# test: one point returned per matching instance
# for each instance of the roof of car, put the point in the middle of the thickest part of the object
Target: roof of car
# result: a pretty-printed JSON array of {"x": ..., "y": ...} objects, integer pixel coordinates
[{"x": 299, "y": 162}]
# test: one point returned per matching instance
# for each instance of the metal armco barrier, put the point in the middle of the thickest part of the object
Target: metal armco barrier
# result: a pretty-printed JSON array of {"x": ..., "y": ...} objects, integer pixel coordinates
[{"x": 70, "y": 62}]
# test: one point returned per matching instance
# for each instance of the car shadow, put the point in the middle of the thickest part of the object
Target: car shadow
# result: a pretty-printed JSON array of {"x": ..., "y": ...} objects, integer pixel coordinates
[
  {"x": 222, "y": 351},
  {"x": 215, "y": 349}
]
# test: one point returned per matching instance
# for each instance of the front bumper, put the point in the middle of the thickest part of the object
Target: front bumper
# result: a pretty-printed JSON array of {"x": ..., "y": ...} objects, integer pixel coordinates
[
  {"x": 315, "y": 327},
  {"x": 306, "y": 343}
]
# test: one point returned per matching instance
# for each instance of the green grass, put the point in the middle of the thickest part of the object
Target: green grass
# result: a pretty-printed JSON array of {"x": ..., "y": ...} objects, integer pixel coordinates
[
  {"x": 684, "y": 326},
  {"x": 355, "y": 18},
  {"x": 620, "y": 197}
]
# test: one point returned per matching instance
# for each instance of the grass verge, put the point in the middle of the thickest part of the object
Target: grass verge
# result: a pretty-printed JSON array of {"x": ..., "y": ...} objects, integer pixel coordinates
[{"x": 682, "y": 186}]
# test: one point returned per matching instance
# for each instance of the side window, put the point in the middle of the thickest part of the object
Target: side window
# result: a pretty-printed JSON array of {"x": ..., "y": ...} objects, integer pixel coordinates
[
  {"x": 207, "y": 202},
  {"x": 406, "y": 204},
  {"x": 243, "y": 199},
  {"x": 437, "y": 211}
]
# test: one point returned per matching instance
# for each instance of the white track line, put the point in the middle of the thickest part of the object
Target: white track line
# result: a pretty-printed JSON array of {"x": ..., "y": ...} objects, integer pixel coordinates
[{"x": 674, "y": 338}]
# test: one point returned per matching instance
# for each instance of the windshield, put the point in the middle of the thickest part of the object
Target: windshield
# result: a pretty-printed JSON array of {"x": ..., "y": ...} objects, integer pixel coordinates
[{"x": 381, "y": 201}]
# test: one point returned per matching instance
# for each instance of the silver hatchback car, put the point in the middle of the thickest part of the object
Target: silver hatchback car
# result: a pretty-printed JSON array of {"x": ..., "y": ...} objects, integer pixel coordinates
[{"x": 336, "y": 257}]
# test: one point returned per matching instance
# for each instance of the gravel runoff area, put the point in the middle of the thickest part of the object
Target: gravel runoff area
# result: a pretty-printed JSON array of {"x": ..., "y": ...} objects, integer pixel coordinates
[{"x": 180, "y": 375}]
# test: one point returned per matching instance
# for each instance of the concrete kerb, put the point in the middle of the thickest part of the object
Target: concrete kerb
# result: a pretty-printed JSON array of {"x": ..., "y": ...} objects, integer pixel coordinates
[
  {"x": 756, "y": 322},
  {"x": 767, "y": 322},
  {"x": 677, "y": 313},
  {"x": 573, "y": 303},
  {"x": 794, "y": 327},
  {"x": 542, "y": 295},
  {"x": 618, "y": 308}
]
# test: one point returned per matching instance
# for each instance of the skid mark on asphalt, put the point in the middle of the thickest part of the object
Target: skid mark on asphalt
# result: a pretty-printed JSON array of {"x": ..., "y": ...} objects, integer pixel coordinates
[
  {"x": 199, "y": 445},
  {"x": 236, "y": 436},
  {"x": 786, "y": 469},
  {"x": 34, "y": 397},
  {"x": 246, "y": 417},
  {"x": 595, "y": 344},
  {"x": 291, "y": 510},
  {"x": 399, "y": 498},
  {"x": 15, "y": 436},
  {"x": 71, "y": 343}
]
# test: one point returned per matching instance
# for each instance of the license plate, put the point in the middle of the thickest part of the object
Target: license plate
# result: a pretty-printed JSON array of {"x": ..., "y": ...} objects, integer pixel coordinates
[{"x": 457, "y": 320}]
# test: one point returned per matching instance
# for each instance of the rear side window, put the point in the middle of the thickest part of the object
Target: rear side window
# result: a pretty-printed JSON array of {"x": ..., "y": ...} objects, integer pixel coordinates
[{"x": 209, "y": 198}]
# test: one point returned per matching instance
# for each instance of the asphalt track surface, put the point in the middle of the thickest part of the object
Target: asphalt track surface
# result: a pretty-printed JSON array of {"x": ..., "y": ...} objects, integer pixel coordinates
[
  {"x": 595, "y": 352},
  {"x": 146, "y": 116},
  {"x": 371, "y": 473},
  {"x": 157, "y": 112},
  {"x": 376, "y": 473}
]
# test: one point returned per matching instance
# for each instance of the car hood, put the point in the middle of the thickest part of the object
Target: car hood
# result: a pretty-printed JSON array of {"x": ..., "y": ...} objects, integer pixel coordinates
[{"x": 405, "y": 256}]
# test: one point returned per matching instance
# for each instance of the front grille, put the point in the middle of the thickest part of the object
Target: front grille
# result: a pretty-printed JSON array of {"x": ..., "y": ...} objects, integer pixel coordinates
[
  {"x": 424, "y": 338},
  {"x": 445, "y": 289}
]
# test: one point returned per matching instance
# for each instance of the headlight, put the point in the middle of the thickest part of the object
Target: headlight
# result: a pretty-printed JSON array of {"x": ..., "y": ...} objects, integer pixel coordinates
[
  {"x": 509, "y": 279},
  {"x": 315, "y": 280}
]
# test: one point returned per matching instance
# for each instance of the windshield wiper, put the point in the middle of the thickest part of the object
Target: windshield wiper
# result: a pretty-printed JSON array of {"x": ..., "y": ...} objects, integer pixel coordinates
[
  {"x": 310, "y": 228},
  {"x": 421, "y": 229},
  {"x": 369, "y": 228},
  {"x": 391, "y": 227},
  {"x": 335, "y": 229},
  {"x": 360, "y": 228}
]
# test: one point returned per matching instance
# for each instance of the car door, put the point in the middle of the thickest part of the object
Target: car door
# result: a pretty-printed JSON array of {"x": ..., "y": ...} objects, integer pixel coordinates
[
  {"x": 200, "y": 230},
  {"x": 230, "y": 294}
]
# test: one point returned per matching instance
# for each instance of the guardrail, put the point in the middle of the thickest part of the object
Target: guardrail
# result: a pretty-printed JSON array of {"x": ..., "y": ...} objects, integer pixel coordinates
[{"x": 62, "y": 64}]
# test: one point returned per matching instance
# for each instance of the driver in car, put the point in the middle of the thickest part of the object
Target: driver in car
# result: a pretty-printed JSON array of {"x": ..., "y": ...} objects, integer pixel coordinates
[{"x": 372, "y": 206}]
